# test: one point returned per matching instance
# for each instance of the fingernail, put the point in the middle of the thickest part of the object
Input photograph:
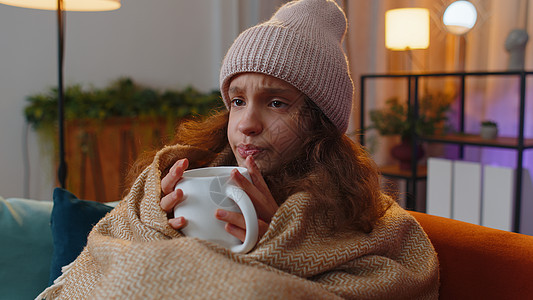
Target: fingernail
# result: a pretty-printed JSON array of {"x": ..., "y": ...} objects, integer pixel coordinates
[
  {"x": 176, "y": 166},
  {"x": 179, "y": 221},
  {"x": 221, "y": 213},
  {"x": 172, "y": 169}
]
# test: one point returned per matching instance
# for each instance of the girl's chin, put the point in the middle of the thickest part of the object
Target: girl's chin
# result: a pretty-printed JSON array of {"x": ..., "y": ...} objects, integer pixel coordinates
[
  {"x": 241, "y": 163},
  {"x": 266, "y": 165}
]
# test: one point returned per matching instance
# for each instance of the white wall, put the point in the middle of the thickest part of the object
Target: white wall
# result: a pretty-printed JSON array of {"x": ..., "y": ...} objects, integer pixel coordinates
[{"x": 163, "y": 43}]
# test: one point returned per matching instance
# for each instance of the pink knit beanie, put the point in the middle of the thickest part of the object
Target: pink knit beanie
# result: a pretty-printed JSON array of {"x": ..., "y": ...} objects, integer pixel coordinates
[{"x": 302, "y": 45}]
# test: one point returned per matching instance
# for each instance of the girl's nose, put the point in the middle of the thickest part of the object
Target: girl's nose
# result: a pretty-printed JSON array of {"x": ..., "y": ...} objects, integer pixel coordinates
[{"x": 251, "y": 123}]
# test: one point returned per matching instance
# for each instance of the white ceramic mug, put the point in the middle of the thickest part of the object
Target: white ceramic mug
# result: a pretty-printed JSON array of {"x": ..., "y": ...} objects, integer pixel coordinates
[{"x": 204, "y": 191}]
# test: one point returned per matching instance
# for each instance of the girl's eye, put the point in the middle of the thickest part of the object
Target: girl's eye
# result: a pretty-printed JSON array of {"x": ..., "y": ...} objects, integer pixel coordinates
[
  {"x": 278, "y": 104},
  {"x": 237, "y": 102}
]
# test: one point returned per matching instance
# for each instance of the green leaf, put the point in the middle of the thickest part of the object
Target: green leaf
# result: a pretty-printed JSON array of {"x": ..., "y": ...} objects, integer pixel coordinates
[
  {"x": 123, "y": 97},
  {"x": 398, "y": 119}
]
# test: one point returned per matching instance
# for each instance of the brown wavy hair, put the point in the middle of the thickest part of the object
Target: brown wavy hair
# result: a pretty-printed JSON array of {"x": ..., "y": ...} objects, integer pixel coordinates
[
  {"x": 337, "y": 172},
  {"x": 208, "y": 133}
]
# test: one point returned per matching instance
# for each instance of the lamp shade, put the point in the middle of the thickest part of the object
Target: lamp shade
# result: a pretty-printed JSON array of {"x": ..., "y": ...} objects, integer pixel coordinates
[
  {"x": 69, "y": 5},
  {"x": 407, "y": 28},
  {"x": 460, "y": 17}
]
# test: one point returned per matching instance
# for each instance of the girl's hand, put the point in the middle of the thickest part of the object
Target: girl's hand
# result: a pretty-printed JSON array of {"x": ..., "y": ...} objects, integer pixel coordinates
[
  {"x": 173, "y": 197},
  {"x": 259, "y": 193}
]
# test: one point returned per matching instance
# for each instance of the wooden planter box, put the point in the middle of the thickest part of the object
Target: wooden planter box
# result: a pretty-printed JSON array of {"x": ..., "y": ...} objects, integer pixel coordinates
[{"x": 99, "y": 153}]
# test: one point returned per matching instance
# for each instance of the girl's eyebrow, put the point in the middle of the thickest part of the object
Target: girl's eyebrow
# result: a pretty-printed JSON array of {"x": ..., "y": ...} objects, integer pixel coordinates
[
  {"x": 235, "y": 90},
  {"x": 268, "y": 90},
  {"x": 277, "y": 90}
]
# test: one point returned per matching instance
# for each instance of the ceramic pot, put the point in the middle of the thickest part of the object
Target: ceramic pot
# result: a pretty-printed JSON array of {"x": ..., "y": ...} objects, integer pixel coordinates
[
  {"x": 489, "y": 132},
  {"x": 404, "y": 153}
]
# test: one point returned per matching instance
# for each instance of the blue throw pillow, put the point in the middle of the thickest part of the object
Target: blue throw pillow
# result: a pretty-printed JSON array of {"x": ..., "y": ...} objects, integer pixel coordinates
[
  {"x": 25, "y": 247},
  {"x": 72, "y": 220}
]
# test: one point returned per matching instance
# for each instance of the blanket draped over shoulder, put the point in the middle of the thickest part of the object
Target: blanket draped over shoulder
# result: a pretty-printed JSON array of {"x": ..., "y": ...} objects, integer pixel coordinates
[{"x": 133, "y": 253}]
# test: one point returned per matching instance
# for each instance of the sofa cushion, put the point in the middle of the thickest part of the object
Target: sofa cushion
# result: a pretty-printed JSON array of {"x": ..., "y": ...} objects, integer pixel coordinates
[
  {"x": 72, "y": 220},
  {"x": 478, "y": 262},
  {"x": 26, "y": 248}
]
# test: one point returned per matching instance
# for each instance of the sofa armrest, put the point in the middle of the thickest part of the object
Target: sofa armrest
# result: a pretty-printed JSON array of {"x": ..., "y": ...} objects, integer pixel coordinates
[{"x": 478, "y": 262}]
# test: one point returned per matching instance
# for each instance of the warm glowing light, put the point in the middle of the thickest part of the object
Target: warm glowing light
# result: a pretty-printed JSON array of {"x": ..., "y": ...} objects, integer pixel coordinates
[
  {"x": 460, "y": 17},
  {"x": 407, "y": 28},
  {"x": 70, "y": 5}
]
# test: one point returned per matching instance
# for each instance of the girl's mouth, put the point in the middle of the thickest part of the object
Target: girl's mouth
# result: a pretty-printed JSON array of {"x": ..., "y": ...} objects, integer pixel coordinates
[{"x": 247, "y": 150}]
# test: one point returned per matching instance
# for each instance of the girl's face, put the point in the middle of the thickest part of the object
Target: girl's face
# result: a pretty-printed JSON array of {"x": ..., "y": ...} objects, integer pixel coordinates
[{"x": 263, "y": 120}]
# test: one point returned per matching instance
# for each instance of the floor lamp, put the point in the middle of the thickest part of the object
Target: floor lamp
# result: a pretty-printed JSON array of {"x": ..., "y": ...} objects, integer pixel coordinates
[
  {"x": 407, "y": 29},
  {"x": 61, "y": 6}
]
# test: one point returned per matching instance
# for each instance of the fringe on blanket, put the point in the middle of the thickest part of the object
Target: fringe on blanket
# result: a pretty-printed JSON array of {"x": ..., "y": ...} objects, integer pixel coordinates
[{"x": 57, "y": 285}]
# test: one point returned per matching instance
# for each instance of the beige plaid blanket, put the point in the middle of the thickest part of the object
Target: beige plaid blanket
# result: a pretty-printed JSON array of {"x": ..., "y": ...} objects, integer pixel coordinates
[{"x": 132, "y": 253}]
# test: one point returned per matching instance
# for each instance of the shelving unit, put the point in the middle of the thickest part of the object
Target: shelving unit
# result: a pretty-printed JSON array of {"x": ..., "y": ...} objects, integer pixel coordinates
[{"x": 416, "y": 173}]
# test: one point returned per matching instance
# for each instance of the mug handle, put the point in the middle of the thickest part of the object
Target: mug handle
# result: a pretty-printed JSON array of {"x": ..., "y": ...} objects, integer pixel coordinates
[{"x": 250, "y": 218}]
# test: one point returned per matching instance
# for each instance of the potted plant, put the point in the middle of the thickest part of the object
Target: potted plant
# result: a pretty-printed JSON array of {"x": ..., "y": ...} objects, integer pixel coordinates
[
  {"x": 397, "y": 118},
  {"x": 123, "y": 98},
  {"x": 107, "y": 128},
  {"x": 489, "y": 130}
]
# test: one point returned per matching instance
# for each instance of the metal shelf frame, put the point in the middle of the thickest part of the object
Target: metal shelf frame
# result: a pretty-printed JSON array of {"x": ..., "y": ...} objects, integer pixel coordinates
[{"x": 517, "y": 143}]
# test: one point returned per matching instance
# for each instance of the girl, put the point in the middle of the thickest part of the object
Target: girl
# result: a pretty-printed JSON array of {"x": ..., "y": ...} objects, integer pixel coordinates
[{"x": 326, "y": 229}]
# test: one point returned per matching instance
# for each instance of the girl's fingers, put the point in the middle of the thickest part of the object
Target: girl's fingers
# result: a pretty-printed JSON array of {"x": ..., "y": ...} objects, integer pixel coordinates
[
  {"x": 255, "y": 174},
  {"x": 263, "y": 227},
  {"x": 169, "y": 201},
  {"x": 236, "y": 224},
  {"x": 173, "y": 197},
  {"x": 236, "y": 231},
  {"x": 177, "y": 223},
  {"x": 234, "y": 218},
  {"x": 258, "y": 191},
  {"x": 174, "y": 175}
]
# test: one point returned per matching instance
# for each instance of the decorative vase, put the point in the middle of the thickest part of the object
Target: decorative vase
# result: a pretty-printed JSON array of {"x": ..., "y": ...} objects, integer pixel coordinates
[
  {"x": 489, "y": 132},
  {"x": 404, "y": 153},
  {"x": 515, "y": 44}
]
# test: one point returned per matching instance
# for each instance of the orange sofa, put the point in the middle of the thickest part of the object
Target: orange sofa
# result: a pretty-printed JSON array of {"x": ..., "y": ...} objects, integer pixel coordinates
[{"x": 477, "y": 262}]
